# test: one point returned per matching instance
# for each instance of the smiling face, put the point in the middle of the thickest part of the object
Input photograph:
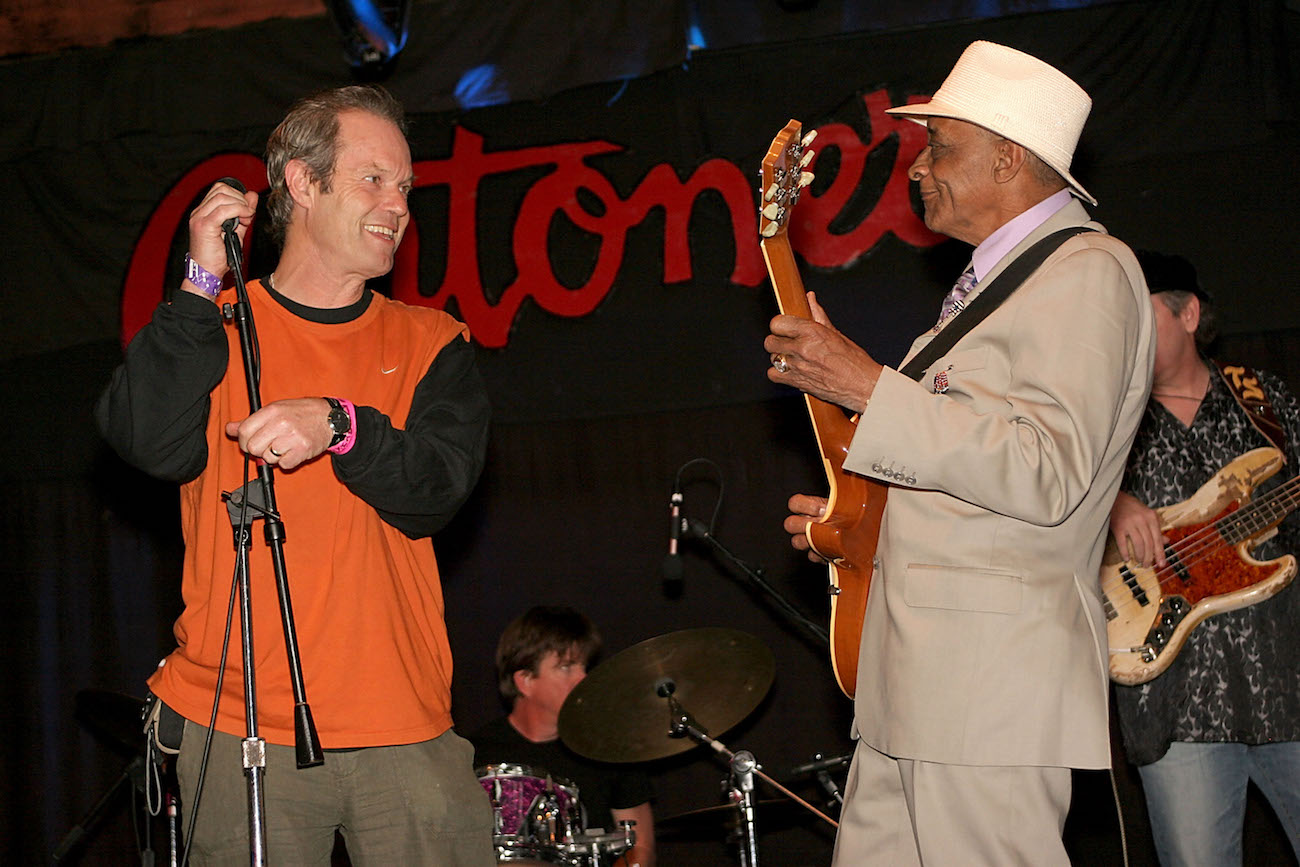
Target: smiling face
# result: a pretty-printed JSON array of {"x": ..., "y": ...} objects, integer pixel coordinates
[
  {"x": 353, "y": 228},
  {"x": 955, "y": 177}
]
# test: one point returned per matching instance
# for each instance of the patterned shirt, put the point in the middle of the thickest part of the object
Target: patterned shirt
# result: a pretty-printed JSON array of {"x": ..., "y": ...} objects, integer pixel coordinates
[{"x": 1237, "y": 679}]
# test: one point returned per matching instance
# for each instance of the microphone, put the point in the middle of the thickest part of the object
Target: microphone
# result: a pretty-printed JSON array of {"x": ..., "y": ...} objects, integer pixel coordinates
[
  {"x": 819, "y": 764},
  {"x": 229, "y": 225},
  {"x": 672, "y": 568},
  {"x": 693, "y": 529}
]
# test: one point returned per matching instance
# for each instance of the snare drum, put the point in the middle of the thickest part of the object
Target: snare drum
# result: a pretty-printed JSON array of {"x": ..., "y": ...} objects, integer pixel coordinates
[
  {"x": 598, "y": 850},
  {"x": 535, "y": 814}
]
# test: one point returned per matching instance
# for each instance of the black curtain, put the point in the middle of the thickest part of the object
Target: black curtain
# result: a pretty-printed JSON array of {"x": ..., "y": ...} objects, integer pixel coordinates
[{"x": 1191, "y": 149}]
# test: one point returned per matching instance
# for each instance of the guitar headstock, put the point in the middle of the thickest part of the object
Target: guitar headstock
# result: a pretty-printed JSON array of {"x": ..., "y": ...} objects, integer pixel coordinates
[{"x": 784, "y": 176}]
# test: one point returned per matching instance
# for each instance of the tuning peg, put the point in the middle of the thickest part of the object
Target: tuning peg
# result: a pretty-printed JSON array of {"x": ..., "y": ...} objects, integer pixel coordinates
[
  {"x": 807, "y": 158},
  {"x": 772, "y": 211},
  {"x": 771, "y": 192},
  {"x": 808, "y": 139},
  {"x": 805, "y": 178},
  {"x": 770, "y": 229}
]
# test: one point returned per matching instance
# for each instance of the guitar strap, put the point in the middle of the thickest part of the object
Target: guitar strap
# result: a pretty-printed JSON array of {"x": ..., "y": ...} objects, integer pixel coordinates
[
  {"x": 1244, "y": 385},
  {"x": 993, "y": 294}
]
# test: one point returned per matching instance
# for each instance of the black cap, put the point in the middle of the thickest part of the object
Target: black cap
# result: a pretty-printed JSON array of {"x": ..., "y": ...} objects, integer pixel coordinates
[{"x": 1169, "y": 273}]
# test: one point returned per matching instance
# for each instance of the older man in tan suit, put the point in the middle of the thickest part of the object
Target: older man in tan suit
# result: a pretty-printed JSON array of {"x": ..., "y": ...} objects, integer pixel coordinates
[{"x": 982, "y": 675}]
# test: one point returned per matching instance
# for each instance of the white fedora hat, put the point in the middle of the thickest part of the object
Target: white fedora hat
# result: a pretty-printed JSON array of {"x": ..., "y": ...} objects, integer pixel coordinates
[{"x": 1017, "y": 96}]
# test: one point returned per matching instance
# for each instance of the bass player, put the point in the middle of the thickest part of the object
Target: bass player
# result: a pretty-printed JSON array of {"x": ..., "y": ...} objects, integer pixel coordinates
[{"x": 1227, "y": 710}]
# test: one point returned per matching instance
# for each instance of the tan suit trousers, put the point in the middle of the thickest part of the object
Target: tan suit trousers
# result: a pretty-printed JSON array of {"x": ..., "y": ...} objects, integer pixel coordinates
[{"x": 901, "y": 812}]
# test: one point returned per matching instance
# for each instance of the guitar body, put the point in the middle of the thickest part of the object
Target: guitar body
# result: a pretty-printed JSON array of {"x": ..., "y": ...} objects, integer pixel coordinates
[
  {"x": 847, "y": 533},
  {"x": 1151, "y": 612}
]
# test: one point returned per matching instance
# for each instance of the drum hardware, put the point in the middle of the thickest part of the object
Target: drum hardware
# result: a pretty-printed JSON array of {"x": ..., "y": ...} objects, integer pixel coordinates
[
  {"x": 721, "y": 674},
  {"x": 543, "y": 822},
  {"x": 820, "y": 767},
  {"x": 831, "y": 788},
  {"x": 743, "y": 770},
  {"x": 538, "y": 820},
  {"x": 595, "y": 846}
]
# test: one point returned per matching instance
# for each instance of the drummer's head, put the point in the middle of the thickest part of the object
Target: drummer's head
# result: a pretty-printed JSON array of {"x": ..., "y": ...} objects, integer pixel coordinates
[{"x": 533, "y": 636}]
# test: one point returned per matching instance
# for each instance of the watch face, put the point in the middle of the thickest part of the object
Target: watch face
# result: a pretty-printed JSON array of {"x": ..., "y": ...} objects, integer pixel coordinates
[{"x": 339, "y": 422}]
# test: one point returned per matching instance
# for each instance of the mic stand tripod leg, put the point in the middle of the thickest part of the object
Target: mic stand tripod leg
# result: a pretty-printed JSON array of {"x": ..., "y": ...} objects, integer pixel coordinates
[
  {"x": 88, "y": 822},
  {"x": 253, "y": 748},
  {"x": 173, "y": 831}
]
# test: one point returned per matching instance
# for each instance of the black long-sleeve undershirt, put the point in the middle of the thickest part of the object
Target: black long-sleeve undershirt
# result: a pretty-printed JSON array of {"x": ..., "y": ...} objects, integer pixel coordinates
[{"x": 154, "y": 414}]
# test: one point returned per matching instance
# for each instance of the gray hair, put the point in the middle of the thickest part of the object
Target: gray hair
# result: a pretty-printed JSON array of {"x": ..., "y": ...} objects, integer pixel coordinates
[
  {"x": 309, "y": 132},
  {"x": 1206, "y": 328}
]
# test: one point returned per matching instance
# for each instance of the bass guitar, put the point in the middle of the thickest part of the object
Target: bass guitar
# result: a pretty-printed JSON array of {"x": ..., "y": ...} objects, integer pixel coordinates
[
  {"x": 1150, "y": 612},
  {"x": 845, "y": 536}
]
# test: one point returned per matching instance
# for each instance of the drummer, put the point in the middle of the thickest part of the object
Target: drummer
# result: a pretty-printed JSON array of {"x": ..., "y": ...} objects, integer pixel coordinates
[{"x": 541, "y": 656}]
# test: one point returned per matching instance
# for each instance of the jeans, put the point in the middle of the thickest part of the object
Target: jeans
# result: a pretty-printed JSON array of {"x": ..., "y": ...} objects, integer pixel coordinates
[{"x": 1196, "y": 796}]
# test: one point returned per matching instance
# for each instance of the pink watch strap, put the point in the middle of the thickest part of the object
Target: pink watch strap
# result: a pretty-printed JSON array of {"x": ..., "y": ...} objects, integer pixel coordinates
[{"x": 345, "y": 444}]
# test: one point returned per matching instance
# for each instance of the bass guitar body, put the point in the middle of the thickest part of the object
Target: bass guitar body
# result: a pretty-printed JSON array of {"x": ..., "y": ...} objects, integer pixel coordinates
[
  {"x": 1151, "y": 612},
  {"x": 846, "y": 535}
]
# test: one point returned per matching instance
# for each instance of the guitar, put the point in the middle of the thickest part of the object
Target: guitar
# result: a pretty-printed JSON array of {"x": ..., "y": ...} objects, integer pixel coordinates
[
  {"x": 1152, "y": 611},
  {"x": 845, "y": 536}
]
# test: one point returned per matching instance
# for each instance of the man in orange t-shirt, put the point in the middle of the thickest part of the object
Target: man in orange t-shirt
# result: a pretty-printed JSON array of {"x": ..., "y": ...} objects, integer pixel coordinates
[{"x": 376, "y": 418}]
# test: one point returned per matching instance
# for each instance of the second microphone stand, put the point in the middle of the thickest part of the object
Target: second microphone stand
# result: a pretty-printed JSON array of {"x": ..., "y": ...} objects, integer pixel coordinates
[{"x": 692, "y": 528}]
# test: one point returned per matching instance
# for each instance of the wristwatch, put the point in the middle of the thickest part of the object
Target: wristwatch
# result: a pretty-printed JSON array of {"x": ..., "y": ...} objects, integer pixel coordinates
[{"x": 340, "y": 422}]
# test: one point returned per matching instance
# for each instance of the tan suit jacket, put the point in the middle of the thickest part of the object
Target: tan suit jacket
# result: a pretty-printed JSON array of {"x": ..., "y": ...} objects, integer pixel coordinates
[{"x": 984, "y": 639}]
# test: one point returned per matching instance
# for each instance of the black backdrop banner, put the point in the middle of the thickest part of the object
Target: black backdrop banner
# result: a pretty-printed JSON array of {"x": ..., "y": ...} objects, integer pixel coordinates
[
  {"x": 600, "y": 241},
  {"x": 609, "y": 229}
]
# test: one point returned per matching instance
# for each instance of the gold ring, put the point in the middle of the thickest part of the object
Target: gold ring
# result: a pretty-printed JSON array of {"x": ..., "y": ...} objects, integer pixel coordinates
[
  {"x": 779, "y": 362},
  {"x": 274, "y": 452}
]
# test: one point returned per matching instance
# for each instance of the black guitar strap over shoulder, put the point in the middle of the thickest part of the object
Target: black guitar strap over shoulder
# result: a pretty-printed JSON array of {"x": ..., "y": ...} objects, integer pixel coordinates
[{"x": 997, "y": 291}]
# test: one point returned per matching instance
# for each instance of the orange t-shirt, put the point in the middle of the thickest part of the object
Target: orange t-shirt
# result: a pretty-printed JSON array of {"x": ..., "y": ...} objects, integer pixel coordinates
[{"x": 367, "y": 601}]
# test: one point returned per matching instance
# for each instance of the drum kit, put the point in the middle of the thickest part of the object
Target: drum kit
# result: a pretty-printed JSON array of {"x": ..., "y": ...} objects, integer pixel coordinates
[{"x": 653, "y": 700}]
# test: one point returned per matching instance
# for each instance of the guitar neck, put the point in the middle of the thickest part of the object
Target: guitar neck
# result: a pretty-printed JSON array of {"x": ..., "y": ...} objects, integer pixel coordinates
[
  {"x": 1261, "y": 513},
  {"x": 784, "y": 271},
  {"x": 829, "y": 421}
]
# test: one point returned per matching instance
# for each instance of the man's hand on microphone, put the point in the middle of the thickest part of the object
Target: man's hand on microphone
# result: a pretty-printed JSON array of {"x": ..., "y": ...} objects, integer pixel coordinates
[
  {"x": 207, "y": 244},
  {"x": 803, "y": 507},
  {"x": 285, "y": 433}
]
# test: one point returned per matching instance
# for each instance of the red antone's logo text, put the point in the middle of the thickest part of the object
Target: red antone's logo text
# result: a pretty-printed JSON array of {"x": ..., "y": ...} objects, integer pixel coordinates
[{"x": 557, "y": 192}]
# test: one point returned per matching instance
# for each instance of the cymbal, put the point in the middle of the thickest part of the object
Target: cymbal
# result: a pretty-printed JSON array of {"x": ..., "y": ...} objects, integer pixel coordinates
[
  {"x": 113, "y": 716},
  {"x": 617, "y": 714}
]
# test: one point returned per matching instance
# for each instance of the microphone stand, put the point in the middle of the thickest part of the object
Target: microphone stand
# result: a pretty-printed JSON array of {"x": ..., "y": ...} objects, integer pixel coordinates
[
  {"x": 132, "y": 776},
  {"x": 744, "y": 768},
  {"x": 259, "y": 501},
  {"x": 690, "y": 527}
]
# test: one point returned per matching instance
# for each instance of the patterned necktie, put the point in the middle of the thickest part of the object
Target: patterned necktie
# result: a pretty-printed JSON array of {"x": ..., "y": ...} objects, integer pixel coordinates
[{"x": 955, "y": 301}]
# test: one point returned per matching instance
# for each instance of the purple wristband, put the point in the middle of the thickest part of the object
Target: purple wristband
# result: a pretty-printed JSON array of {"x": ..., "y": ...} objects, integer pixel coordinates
[
  {"x": 201, "y": 277},
  {"x": 349, "y": 439}
]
